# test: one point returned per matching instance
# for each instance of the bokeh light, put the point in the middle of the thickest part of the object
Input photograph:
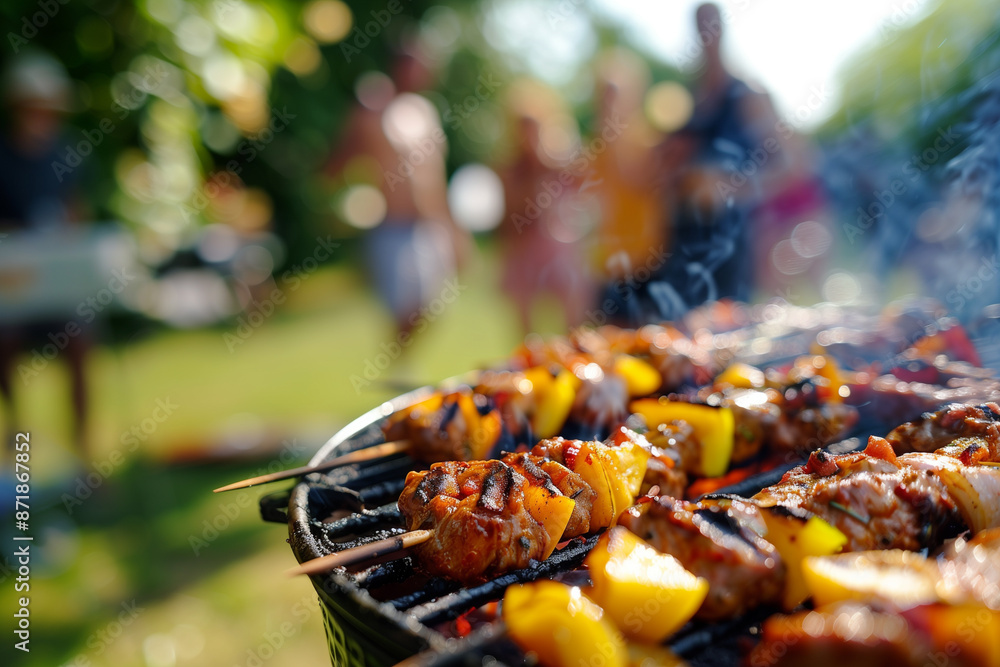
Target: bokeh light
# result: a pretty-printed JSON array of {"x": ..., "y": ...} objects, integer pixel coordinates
[
  {"x": 475, "y": 196},
  {"x": 668, "y": 106},
  {"x": 328, "y": 21},
  {"x": 363, "y": 206}
]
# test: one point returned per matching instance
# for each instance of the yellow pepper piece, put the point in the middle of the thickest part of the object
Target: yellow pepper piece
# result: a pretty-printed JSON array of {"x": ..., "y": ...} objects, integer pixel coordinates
[
  {"x": 561, "y": 626},
  {"x": 467, "y": 406},
  {"x": 795, "y": 538},
  {"x": 629, "y": 460},
  {"x": 900, "y": 577},
  {"x": 593, "y": 468},
  {"x": 713, "y": 426},
  {"x": 968, "y": 634},
  {"x": 741, "y": 376},
  {"x": 554, "y": 405},
  {"x": 649, "y": 595},
  {"x": 641, "y": 379},
  {"x": 540, "y": 379},
  {"x": 487, "y": 433},
  {"x": 552, "y": 511}
]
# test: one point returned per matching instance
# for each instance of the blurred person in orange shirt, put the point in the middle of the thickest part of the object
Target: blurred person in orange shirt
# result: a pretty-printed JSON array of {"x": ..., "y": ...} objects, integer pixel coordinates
[
  {"x": 544, "y": 224},
  {"x": 632, "y": 232}
]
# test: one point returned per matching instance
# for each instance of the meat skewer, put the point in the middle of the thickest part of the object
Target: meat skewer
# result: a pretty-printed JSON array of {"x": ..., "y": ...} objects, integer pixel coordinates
[
  {"x": 874, "y": 498},
  {"x": 367, "y": 454},
  {"x": 488, "y": 517},
  {"x": 600, "y": 371}
]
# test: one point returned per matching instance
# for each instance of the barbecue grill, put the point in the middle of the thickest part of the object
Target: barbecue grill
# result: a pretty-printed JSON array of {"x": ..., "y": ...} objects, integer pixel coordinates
[{"x": 388, "y": 612}]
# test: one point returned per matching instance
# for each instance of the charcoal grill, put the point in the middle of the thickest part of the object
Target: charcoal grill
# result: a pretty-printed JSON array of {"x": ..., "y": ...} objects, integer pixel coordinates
[{"x": 389, "y": 612}]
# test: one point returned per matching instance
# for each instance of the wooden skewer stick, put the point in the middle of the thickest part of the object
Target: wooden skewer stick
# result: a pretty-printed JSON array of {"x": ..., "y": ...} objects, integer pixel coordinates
[
  {"x": 366, "y": 454},
  {"x": 362, "y": 553}
]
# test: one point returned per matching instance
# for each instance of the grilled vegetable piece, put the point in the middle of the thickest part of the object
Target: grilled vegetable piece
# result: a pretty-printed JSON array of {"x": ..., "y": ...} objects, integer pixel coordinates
[
  {"x": 718, "y": 540},
  {"x": 486, "y": 517},
  {"x": 900, "y": 579},
  {"x": 641, "y": 379},
  {"x": 649, "y": 595},
  {"x": 614, "y": 473},
  {"x": 560, "y": 625},
  {"x": 713, "y": 427},
  {"x": 555, "y": 401},
  {"x": 797, "y": 535}
]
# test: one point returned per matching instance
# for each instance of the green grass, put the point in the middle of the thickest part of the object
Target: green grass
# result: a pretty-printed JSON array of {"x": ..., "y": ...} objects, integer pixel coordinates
[{"x": 134, "y": 537}]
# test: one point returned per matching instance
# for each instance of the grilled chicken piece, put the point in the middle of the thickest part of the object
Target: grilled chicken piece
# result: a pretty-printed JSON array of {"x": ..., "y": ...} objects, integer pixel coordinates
[
  {"x": 792, "y": 419},
  {"x": 539, "y": 471},
  {"x": 478, "y": 515},
  {"x": 719, "y": 540},
  {"x": 877, "y": 501},
  {"x": 956, "y": 429},
  {"x": 439, "y": 429},
  {"x": 876, "y": 633}
]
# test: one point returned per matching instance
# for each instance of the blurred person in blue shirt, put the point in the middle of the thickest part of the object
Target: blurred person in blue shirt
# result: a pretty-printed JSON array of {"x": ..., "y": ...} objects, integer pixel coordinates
[{"x": 36, "y": 201}]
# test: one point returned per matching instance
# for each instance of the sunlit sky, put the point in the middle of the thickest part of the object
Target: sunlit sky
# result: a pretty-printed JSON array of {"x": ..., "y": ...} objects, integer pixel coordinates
[{"x": 793, "y": 48}]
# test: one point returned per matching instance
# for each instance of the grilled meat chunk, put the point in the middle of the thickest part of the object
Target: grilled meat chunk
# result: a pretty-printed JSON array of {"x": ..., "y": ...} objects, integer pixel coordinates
[
  {"x": 719, "y": 540},
  {"x": 956, "y": 429},
  {"x": 878, "y": 503},
  {"x": 539, "y": 471},
  {"x": 476, "y": 510}
]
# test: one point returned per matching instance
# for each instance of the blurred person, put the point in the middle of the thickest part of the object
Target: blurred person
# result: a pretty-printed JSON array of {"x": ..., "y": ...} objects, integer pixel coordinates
[
  {"x": 35, "y": 200},
  {"x": 747, "y": 184},
  {"x": 396, "y": 135},
  {"x": 542, "y": 227},
  {"x": 631, "y": 234}
]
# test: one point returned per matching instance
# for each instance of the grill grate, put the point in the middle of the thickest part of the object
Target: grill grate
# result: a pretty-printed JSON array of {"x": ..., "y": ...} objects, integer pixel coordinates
[
  {"x": 330, "y": 512},
  {"x": 391, "y": 611}
]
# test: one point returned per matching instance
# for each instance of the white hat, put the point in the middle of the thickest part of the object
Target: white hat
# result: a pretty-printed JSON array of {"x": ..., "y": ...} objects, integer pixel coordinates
[{"x": 38, "y": 79}]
